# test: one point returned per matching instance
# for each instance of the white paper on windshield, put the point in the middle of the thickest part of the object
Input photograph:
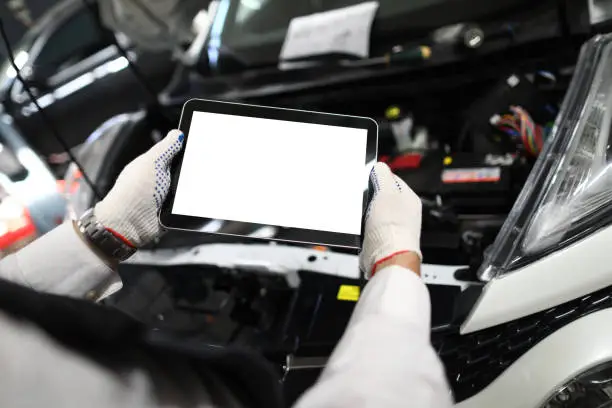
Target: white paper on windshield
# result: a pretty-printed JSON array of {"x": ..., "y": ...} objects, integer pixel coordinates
[
  {"x": 600, "y": 11},
  {"x": 345, "y": 30}
]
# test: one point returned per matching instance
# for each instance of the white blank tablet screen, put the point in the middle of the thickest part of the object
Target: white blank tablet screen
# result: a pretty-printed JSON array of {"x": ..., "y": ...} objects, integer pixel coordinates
[{"x": 273, "y": 172}]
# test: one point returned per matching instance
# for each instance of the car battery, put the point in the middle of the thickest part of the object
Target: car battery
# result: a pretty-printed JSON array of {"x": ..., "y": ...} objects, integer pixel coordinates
[
  {"x": 470, "y": 183},
  {"x": 423, "y": 176},
  {"x": 477, "y": 183}
]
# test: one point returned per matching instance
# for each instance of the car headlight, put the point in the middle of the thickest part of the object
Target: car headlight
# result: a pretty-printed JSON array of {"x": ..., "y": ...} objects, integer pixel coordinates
[
  {"x": 568, "y": 193},
  {"x": 591, "y": 389}
]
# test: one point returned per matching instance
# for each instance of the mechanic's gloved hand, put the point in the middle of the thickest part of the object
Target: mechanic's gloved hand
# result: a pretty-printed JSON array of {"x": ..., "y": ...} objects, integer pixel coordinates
[
  {"x": 130, "y": 209},
  {"x": 392, "y": 220}
]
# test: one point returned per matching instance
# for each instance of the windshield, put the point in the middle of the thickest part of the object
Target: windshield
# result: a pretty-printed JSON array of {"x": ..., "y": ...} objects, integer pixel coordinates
[
  {"x": 252, "y": 31},
  {"x": 267, "y": 16}
]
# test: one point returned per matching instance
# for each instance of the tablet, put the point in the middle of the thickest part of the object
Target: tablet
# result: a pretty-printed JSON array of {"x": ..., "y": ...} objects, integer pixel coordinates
[{"x": 305, "y": 173}]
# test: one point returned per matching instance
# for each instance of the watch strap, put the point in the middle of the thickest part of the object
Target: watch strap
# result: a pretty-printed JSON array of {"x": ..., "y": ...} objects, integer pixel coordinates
[{"x": 103, "y": 239}]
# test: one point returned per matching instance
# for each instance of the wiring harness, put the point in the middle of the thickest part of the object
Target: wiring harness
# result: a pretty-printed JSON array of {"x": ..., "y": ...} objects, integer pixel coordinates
[{"x": 521, "y": 128}]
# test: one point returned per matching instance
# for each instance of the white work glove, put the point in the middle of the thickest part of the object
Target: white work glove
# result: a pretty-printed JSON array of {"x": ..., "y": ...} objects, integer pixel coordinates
[
  {"x": 392, "y": 220},
  {"x": 130, "y": 209}
]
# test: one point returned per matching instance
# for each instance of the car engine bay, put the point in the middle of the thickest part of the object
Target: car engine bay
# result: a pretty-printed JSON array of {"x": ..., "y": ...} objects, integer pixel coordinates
[{"x": 467, "y": 164}]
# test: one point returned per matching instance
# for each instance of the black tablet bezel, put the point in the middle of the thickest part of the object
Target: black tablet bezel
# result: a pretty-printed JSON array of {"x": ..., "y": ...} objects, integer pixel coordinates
[{"x": 190, "y": 223}]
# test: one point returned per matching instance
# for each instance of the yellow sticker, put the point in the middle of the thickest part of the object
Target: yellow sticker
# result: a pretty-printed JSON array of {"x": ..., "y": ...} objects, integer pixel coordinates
[
  {"x": 349, "y": 293},
  {"x": 392, "y": 112}
]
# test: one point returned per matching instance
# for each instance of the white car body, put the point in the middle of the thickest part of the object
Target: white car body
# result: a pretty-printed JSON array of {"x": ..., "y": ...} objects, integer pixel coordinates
[{"x": 576, "y": 271}]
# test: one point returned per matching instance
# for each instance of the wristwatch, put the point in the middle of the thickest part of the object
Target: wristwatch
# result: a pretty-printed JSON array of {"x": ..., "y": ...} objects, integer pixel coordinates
[{"x": 102, "y": 239}]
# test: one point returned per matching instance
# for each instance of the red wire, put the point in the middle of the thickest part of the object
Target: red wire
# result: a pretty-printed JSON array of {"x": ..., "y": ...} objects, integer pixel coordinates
[{"x": 526, "y": 120}]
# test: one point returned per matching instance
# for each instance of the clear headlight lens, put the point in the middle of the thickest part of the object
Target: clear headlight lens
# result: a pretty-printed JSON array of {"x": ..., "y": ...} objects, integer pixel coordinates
[
  {"x": 591, "y": 389},
  {"x": 568, "y": 193}
]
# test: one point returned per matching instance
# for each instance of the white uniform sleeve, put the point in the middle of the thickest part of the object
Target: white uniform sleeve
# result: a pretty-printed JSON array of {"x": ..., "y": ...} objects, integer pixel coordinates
[
  {"x": 61, "y": 263},
  {"x": 385, "y": 358}
]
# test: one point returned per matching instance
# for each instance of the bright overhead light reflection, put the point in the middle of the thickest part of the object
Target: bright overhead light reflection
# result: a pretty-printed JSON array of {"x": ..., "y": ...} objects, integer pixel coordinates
[
  {"x": 116, "y": 65},
  {"x": 76, "y": 84},
  {"x": 266, "y": 231},
  {"x": 252, "y": 4},
  {"x": 214, "y": 42},
  {"x": 20, "y": 60},
  {"x": 212, "y": 226},
  {"x": 475, "y": 41},
  {"x": 45, "y": 100}
]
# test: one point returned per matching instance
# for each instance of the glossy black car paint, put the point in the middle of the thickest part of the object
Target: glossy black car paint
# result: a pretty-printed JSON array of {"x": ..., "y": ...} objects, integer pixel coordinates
[{"x": 78, "y": 76}]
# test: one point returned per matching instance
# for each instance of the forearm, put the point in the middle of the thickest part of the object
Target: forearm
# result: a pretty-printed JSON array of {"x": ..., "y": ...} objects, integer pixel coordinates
[
  {"x": 385, "y": 357},
  {"x": 61, "y": 262},
  {"x": 64, "y": 262}
]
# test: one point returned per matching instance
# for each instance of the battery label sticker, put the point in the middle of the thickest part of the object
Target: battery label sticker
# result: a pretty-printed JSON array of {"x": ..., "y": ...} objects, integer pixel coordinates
[
  {"x": 349, "y": 293},
  {"x": 476, "y": 175}
]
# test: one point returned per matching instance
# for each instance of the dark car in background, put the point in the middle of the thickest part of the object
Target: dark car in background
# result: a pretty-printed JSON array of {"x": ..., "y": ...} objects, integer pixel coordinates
[{"x": 78, "y": 75}]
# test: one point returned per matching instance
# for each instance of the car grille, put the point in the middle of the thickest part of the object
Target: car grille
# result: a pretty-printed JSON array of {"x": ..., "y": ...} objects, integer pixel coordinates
[{"x": 474, "y": 360}]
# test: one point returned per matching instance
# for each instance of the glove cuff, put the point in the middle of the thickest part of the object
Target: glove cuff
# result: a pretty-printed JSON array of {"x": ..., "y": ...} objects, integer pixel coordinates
[
  {"x": 386, "y": 258},
  {"x": 121, "y": 227},
  {"x": 388, "y": 241}
]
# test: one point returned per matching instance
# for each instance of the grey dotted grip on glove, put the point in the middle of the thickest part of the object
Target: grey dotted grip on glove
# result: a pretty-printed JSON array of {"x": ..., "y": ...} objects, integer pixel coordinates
[
  {"x": 130, "y": 209},
  {"x": 392, "y": 220}
]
